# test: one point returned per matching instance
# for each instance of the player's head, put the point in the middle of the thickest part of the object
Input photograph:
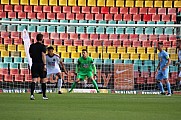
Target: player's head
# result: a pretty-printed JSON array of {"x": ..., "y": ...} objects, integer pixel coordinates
[
  {"x": 50, "y": 50},
  {"x": 39, "y": 37},
  {"x": 84, "y": 53},
  {"x": 160, "y": 46}
]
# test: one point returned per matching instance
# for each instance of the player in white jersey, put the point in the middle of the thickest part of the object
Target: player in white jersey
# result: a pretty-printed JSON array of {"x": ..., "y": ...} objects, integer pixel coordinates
[
  {"x": 53, "y": 61},
  {"x": 179, "y": 63}
]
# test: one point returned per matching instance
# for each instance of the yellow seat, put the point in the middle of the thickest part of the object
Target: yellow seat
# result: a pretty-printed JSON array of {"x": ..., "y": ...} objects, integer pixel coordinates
[
  {"x": 80, "y": 48},
  {"x": 33, "y": 2},
  {"x": 95, "y": 55},
  {"x": 75, "y": 55},
  {"x": 4, "y": 53},
  {"x": 53, "y": 2},
  {"x": 114, "y": 56},
  {"x": 174, "y": 57},
  {"x": 121, "y": 49},
  {"x": 63, "y": 2},
  {"x": 91, "y": 3},
  {"x": 177, "y": 4},
  {"x": 162, "y": 49},
  {"x": 24, "y": 2},
  {"x": 15, "y": 54},
  {"x": 100, "y": 2},
  {"x": 150, "y": 50},
  {"x": 101, "y": 49},
  {"x": 61, "y": 49},
  {"x": 23, "y": 54},
  {"x": 158, "y": 4},
  {"x": 171, "y": 50},
  {"x": 153, "y": 56},
  {"x": 131, "y": 50},
  {"x": 139, "y": 4},
  {"x": 110, "y": 3},
  {"x": 129, "y": 3},
  {"x": 15, "y": 2},
  {"x": 65, "y": 55},
  {"x": 105, "y": 55},
  {"x": 125, "y": 56},
  {"x": 72, "y": 2},
  {"x": 148, "y": 3},
  {"x": 44, "y": 2},
  {"x": 141, "y": 50},
  {"x": 134, "y": 56},
  {"x": 2, "y": 47},
  {"x": 71, "y": 49},
  {"x": 144, "y": 56},
  {"x": 119, "y": 3},
  {"x": 168, "y": 4},
  {"x": 21, "y": 48},
  {"x": 81, "y": 2},
  {"x": 54, "y": 47},
  {"x": 11, "y": 47},
  {"x": 4, "y": 1},
  {"x": 111, "y": 49},
  {"x": 91, "y": 49}
]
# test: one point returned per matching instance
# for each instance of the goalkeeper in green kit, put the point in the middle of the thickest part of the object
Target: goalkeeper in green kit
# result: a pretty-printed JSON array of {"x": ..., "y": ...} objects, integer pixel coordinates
[{"x": 84, "y": 69}]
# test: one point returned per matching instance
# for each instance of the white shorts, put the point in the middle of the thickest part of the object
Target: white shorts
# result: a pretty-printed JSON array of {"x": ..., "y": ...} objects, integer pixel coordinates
[{"x": 53, "y": 71}]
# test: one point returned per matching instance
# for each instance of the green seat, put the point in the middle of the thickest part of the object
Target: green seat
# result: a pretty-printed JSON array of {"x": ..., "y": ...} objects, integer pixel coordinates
[
  {"x": 140, "y": 22},
  {"x": 75, "y": 61},
  {"x": 44, "y": 20},
  {"x": 173, "y": 68},
  {"x": 119, "y": 30},
  {"x": 41, "y": 28},
  {"x": 144, "y": 68},
  {"x": 149, "y": 31},
  {"x": 129, "y": 30},
  {"x": 111, "y": 22},
  {"x": 15, "y": 19},
  {"x": 50, "y": 29},
  {"x": 158, "y": 31},
  {"x": 153, "y": 68},
  {"x": 35, "y": 20},
  {"x": 160, "y": 22},
  {"x": 7, "y": 60},
  {"x": 73, "y": 21},
  {"x": 138, "y": 62},
  {"x": 17, "y": 60},
  {"x": 25, "y": 20},
  {"x": 70, "y": 29},
  {"x": 67, "y": 60},
  {"x": 110, "y": 30},
  {"x": 100, "y": 30},
  {"x": 98, "y": 61},
  {"x": 31, "y": 28},
  {"x": 82, "y": 21},
  {"x": 92, "y": 21},
  {"x": 135, "y": 67},
  {"x": 90, "y": 29},
  {"x": 127, "y": 61},
  {"x": 80, "y": 29},
  {"x": 168, "y": 31},
  {"x": 61, "y": 29},
  {"x": 121, "y": 22},
  {"x": 148, "y": 63},
  {"x": 11, "y": 27},
  {"x": 63, "y": 21},
  {"x": 5, "y": 19},
  {"x": 107, "y": 61},
  {"x": 14, "y": 65},
  {"x": 23, "y": 65},
  {"x": 53, "y": 20},
  {"x": 0, "y": 59},
  {"x": 139, "y": 30},
  {"x": 102, "y": 22},
  {"x": 3, "y": 65},
  {"x": 117, "y": 61},
  {"x": 131, "y": 22},
  {"x": 25, "y": 60},
  {"x": 170, "y": 22},
  {"x": 21, "y": 28},
  {"x": 3, "y": 27},
  {"x": 156, "y": 62},
  {"x": 150, "y": 22}
]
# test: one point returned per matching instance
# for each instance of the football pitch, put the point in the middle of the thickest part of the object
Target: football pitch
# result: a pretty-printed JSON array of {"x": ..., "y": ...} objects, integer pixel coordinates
[{"x": 90, "y": 107}]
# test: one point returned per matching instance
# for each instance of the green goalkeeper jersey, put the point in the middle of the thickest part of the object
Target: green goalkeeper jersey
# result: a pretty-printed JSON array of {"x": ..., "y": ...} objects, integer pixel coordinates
[{"x": 85, "y": 65}]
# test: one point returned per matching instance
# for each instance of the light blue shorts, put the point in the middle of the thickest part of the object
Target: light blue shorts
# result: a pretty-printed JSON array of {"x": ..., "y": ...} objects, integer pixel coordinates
[{"x": 162, "y": 75}]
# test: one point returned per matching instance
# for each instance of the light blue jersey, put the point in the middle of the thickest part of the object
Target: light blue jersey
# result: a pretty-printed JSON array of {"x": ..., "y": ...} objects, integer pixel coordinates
[{"x": 163, "y": 57}]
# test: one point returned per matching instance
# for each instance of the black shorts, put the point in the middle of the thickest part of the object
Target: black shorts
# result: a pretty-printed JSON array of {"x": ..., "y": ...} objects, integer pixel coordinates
[{"x": 38, "y": 71}]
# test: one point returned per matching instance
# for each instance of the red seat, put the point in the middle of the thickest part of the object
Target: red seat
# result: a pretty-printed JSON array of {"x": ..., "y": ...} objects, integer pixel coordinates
[
  {"x": 145, "y": 74},
  {"x": 95, "y": 10},
  {"x": 47, "y": 42},
  {"x": 97, "y": 42},
  {"x": 2, "y": 14},
  {"x": 18, "y": 41},
  {"x": 47, "y": 9},
  {"x": 7, "y": 41},
  {"x": 174, "y": 75},
  {"x": 54, "y": 36},
  {"x": 40, "y": 15},
  {"x": 15, "y": 34},
  {"x": 137, "y": 17},
  {"x": 4, "y": 34},
  {"x": 8, "y": 8},
  {"x": 1, "y": 77},
  {"x": 133, "y": 10},
  {"x": 105, "y": 10},
  {"x": 152, "y": 11},
  {"x": 63, "y": 36},
  {"x": 37, "y": 9},
  {"x": 140, "y": 80},
  {"x": 74, "y": 36},
  {"x": 11, "y": 14},
  {"x": 151, "y": 80},
  {"x": 172, "y": 11},
  {"x": 162, "y": 37},
  {"x": 117, "y": 17},
  {"x": 113, "y": 36},
  {"x": 108, "y": 17},
  {"x": 133, "y": 37},
  {"x": 174, "y": 44},
  {"x": 19, "y": 78},
  {"x": 21, "y": 15},
  {"x": 114, "y": 10},
  {"x": 60, "y": 16},
  {"x": 94, "y": 36},
  {"x": 84, "y": 36},
  {"x": 172, "y": 81},
  {"x": 24, "y": 71},
  {"x": 167, "y": 44},
  {"x": 4, "y": 71},
  {"x": 28, "y": 78},
  {"x": 1, "y": 8},
  {"x": 123, "y": 37},
  {"x": 154, "y": 43},
  {"x": 57, "y": 42},
  {"x": 143, "y": 10},
  {"x": 136, "y": 74},
  {"x": 98, "y": 16},
  {"x": 68, "y": 42},
  {"x": 33, "y": 35},
  {"x": 142, "y": 37},
  {"x": 166, "y": 18},
  {"x": 70, "y": 16},
  {"x": 78, "y": 42},
  {"x": 173, "y": 18},
  {"x": 18, "y": 8},
  {"x": 31, "y": 15},
  {"x": 66, "y": 9},
  {"x": 155, "y": 17},
  {"x": 123, "y": 10},
  {"x": 8, "y": 78},
  {"x": 80, "y": 16},
  {"x": 172, "y": 37},
  {"x": 127, "y": 17},
  {"x": 107, "y": 43},
  {"x": 86, "y": 9},
  {"x": 136, "y": 43},
  {"x": 152, "y": 38},
  {"x": 116, "y": 43},
  {"x": 45, "y": 35},
  {"x": 146, "y": 17},
  {"x": 103, "y": 36},
  {"x": 76, "y": 9},
  {"x": 87, "y": 42},
  {"x": 56, "y": 9},
  {"x": 27, "y": 8},
  {"x": 126, "y": 43},
  {"x": 14, "y": 71},
  {"x": 146, "y": 44},
  {"x": 162, "y": 11},
  {"x": 89, "y": 16}
]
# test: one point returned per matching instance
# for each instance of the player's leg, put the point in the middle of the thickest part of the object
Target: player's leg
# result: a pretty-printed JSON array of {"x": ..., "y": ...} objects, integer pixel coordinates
[
  {"x": 79, "y": 77},
  {"x": 43, "y": 75},
  {"x": 179, "y": 78},
  {"x": 90, "y": 76},
  {"x": 165, "y": 77},
  {"x": 59, "y": 84},
  {"x": 159, "y": 77}
]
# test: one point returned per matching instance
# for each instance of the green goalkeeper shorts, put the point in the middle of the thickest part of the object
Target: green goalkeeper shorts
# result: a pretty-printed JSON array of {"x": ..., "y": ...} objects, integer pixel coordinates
[{"x": 83, "y": 75}]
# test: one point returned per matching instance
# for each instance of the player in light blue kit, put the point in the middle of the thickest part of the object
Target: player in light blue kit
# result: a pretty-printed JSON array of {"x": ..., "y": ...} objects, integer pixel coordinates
[{"x": 162, "y": 70}]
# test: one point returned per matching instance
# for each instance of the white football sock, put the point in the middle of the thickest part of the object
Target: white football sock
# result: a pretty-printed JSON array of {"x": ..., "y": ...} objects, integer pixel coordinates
[{"x": 59, "y": 84}]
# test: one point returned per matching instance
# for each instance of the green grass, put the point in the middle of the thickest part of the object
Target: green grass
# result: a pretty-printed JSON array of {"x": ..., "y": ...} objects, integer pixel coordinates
[{"x": 90, "y": 107}]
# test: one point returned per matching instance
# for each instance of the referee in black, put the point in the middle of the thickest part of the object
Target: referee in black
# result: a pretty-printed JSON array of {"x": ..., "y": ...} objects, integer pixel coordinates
[{"x": 38, "y": 54}]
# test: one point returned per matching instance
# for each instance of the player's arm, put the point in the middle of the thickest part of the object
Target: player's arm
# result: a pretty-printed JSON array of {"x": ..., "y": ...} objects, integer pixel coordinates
[
  {"x": 63, "y": 66},
  {"x": 30, "y": 51},
  {"x": 158, "y": 66},
  {"x": 169, "y": 61},
  {"x": 44, "y": 56}
]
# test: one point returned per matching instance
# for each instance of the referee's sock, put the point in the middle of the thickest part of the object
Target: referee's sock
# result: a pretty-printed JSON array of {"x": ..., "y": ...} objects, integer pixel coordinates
[
  {"x": 43, "y": 85},
  {"x": 32, "y": 87}
]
